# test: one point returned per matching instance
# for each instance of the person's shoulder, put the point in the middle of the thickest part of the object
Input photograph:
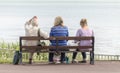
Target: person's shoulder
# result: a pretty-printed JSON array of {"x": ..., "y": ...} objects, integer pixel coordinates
[
  {"x": 79, "y": 29},
  {"x": 65, "y": 27},
  {"x": 59, "y": 27},
  {"x": 53, "y": 27}
]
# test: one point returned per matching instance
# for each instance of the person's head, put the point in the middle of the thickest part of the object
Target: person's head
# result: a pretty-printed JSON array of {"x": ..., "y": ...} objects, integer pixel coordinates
[
  {"x": 83, "y": 22},
  {"x": 34, "y": 21},
  {"x": 58, "y": 21}
]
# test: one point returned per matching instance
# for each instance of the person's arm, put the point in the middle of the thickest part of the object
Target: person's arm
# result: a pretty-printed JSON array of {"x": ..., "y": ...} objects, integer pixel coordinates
[
  {"x": 27, "y": 27},
  {"x": 51, "y": 34},
  {"x": 78, "y": 33},
  {"x": 92, "y": 33},
  {"x": 67, "y": 32},
  {"x": 43, "y": 34}
]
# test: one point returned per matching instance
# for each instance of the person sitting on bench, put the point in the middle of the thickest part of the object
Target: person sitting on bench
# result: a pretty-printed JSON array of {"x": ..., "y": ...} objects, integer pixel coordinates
[
  {"x": 31, "y": 29},
  {"x": 58, "y": 30},
  {"x": 83, "y": 31}
]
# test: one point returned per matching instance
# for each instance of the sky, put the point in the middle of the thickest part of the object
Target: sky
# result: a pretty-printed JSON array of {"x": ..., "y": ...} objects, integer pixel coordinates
[
  {"x": 4, "y": 1},
  {"x": 44, "y": 2}
]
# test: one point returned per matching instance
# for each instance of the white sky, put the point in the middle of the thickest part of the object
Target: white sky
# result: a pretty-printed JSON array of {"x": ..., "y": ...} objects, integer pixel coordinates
[
  {"x": 29, "y": 2},
  {"x": 59, "y": 0}
]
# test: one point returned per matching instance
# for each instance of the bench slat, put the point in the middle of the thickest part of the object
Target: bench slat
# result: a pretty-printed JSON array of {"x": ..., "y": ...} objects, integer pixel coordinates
[
  {"x": 54, "y": 38},
  {"x": 58, "y": 47},
  {"x": 42, "y": 51}
]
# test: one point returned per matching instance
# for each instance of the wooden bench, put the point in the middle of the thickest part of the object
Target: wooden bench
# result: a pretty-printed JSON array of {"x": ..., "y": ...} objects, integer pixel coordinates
[{"x": 81, "y": 48}]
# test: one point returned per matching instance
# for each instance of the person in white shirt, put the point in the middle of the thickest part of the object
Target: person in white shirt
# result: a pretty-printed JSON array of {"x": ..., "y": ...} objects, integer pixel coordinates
[{"x": 31, "y": 29}]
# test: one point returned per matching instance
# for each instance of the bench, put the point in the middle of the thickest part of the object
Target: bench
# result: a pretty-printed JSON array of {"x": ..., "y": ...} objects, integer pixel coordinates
[{"x": 81, "y": 48}]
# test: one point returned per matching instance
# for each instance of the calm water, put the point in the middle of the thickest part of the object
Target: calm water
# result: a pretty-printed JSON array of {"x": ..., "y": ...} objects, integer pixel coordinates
[{"x": 103, "y": 18}]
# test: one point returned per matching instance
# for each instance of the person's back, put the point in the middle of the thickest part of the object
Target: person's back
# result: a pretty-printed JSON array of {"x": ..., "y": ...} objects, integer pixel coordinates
[
  {"x": 59, "y": 31},
  {"x": 31, "y": 29},
  {"x": 85, "y": 32}
]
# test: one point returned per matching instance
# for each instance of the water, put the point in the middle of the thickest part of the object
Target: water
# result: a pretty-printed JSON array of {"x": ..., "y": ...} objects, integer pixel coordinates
[{"x": 102, "y": 17}]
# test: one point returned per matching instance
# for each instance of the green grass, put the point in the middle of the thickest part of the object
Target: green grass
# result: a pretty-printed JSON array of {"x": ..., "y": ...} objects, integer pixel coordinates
[{"x": 7, "y": 52}]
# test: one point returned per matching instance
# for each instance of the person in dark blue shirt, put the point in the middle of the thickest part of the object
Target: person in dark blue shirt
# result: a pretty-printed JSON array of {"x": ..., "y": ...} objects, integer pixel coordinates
[{"x": 58, "y": 30}]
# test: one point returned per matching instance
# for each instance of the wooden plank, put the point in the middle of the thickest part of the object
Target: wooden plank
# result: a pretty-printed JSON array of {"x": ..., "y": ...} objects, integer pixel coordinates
[
  {"x": 58, "y": 47},
  {"x": 88, "y": 50},
  {"x": 54, "y": 38},
  {"x": 36, "y": 38},
  {"x": 74, "y": 38}
]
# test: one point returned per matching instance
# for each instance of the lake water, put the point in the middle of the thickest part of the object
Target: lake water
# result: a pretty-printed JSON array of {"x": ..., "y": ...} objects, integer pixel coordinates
[{"x": 103, "y": 18}]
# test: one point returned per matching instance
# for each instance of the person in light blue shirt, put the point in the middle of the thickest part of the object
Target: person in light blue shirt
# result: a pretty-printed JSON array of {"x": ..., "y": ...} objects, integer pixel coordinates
[{"x": 58, "y": 30}]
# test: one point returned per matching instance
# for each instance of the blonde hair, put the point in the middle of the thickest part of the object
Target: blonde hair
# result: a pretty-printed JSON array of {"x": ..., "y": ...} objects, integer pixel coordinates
[
  {"x": 83, "y": 22},
  {"x": 58, "y": 21}
]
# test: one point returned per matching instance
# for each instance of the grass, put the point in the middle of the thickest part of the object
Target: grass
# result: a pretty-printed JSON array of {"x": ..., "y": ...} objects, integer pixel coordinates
[
  {"x": 7, "y": 52},
  {"x": 8, "y": 49}
]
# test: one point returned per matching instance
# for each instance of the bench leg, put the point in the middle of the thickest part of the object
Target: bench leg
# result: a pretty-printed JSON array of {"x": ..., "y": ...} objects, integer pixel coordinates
[{"x": 92, "y": 58}]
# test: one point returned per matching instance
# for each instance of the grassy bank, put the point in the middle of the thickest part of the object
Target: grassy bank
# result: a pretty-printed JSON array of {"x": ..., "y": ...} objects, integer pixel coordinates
[{"x": 7, "y": 52}]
